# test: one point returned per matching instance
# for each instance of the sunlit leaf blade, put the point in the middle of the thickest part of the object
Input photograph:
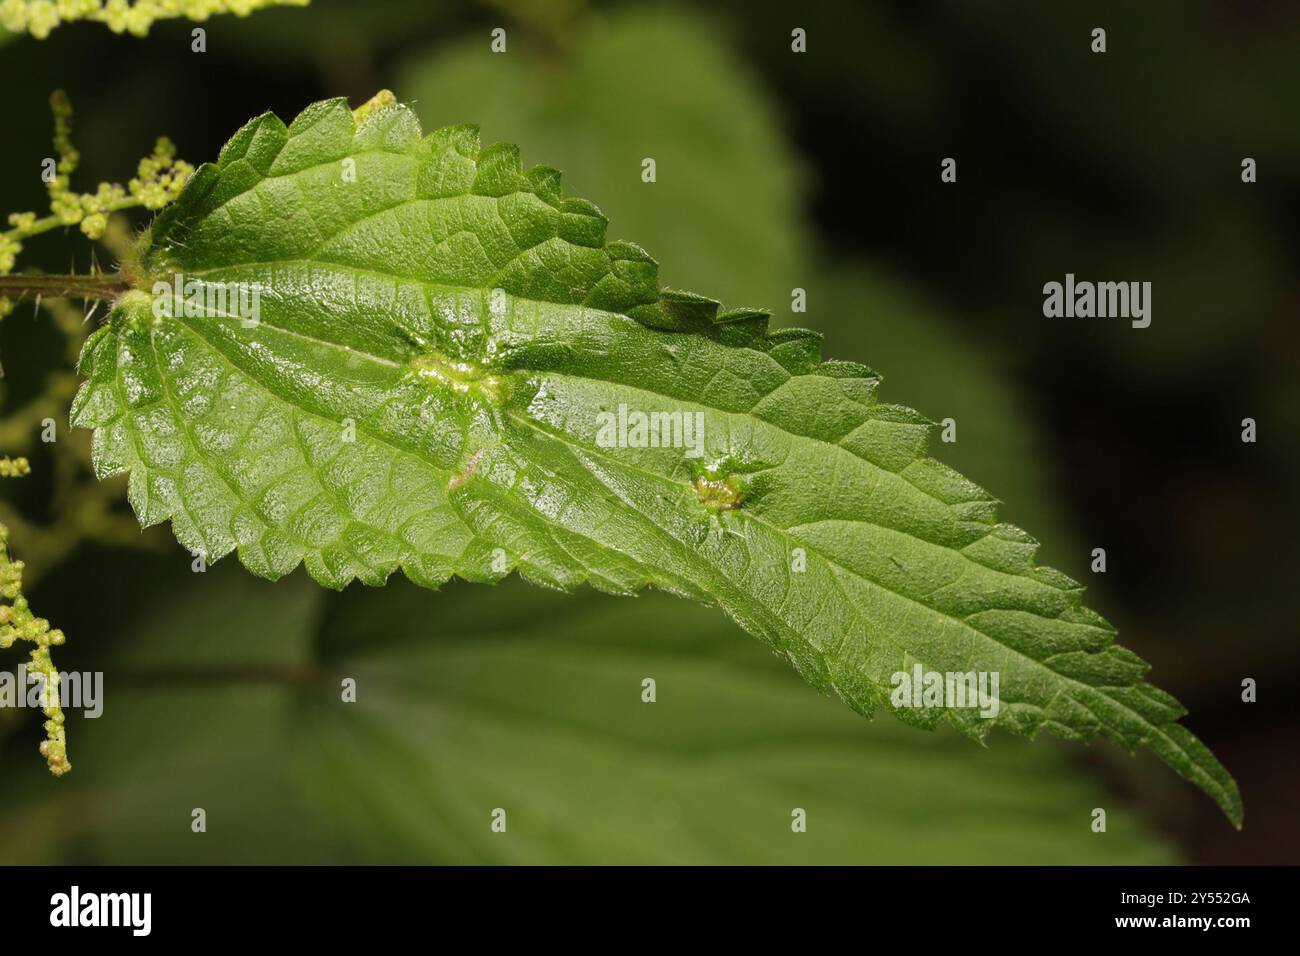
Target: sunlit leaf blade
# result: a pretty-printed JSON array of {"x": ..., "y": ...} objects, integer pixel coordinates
[{"x": 441, "y": 338}]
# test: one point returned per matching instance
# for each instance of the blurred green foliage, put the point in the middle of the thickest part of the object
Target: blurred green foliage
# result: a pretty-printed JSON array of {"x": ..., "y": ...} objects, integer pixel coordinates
[
  {"x": 724, "y": 212},
  {"x": 227, "y": 697}
]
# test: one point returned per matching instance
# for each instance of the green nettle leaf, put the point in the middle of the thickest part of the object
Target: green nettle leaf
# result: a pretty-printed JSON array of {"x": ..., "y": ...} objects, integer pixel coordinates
[{"x": 448, "y": 370}]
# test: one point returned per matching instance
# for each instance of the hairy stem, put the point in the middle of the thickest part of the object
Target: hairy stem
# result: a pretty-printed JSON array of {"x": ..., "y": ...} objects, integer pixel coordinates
[{"x": 101, "y": 286}]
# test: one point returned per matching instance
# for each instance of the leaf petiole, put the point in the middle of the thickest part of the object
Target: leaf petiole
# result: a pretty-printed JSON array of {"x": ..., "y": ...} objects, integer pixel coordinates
[{"x": 101, "y": 286}]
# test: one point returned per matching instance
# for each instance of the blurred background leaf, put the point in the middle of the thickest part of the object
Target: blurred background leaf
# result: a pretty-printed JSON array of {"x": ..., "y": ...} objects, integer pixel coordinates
[
  {"x": 724, "y": 215},
  {"x": 228, "y": 698}
]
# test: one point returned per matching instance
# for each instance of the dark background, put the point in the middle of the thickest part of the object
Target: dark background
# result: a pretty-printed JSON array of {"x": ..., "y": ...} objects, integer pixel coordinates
[{"x": 1122, "y": 166}]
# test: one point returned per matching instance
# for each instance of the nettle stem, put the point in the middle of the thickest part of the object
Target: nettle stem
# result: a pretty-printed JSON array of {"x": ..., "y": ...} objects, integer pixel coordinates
[{"x": 103, "y": 286}]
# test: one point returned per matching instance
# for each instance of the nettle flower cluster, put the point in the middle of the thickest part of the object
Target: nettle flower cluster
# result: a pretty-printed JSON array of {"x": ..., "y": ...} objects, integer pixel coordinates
[
  {"x": 40, "y": 17},
  {"x": 158, "y": 180},
  {"x": 18, "y": 623}
]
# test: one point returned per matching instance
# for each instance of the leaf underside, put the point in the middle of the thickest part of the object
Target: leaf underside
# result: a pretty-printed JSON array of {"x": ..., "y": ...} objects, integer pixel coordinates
[{"x": 439, "y": 332}]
